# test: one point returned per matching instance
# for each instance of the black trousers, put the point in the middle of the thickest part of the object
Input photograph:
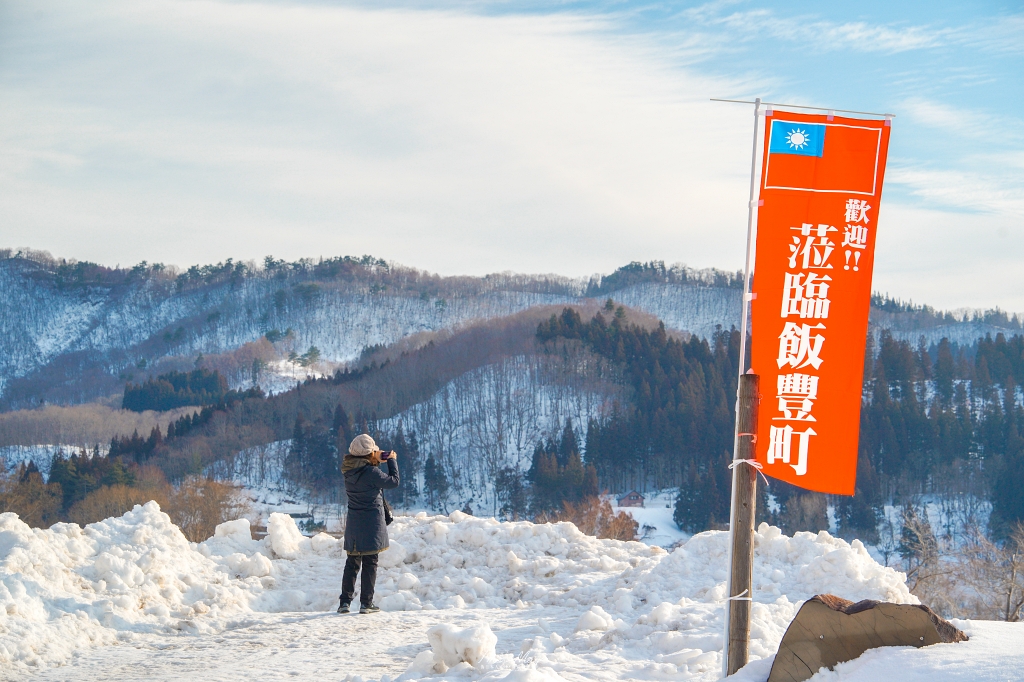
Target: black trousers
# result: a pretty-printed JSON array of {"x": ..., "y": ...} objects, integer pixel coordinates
[{"x": 366, "y": 586}]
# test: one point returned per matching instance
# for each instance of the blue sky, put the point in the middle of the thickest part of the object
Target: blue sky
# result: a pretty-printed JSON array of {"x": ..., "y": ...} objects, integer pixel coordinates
[{"x": 473, "y": 137}]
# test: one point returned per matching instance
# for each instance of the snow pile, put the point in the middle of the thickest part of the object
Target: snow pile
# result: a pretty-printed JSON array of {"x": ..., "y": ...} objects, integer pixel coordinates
[
  {"x": 484, "y": 561},
  {"x": 66, "y": 588},
  {"x": 285, "y": 539},
  {"x": 662, "y": 613}
]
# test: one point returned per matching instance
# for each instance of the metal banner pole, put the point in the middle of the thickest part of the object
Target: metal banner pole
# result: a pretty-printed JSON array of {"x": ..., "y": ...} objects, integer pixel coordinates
[{"x": 727, "y": 652}]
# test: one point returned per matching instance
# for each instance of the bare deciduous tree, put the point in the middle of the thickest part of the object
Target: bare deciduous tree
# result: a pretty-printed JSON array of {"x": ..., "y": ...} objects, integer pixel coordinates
[
  {"x": 996, "y": 574},
  {"x": 198, "y": 505},
  {"x": 594, "y": 516},
  {"x": 112, "y": 500}
]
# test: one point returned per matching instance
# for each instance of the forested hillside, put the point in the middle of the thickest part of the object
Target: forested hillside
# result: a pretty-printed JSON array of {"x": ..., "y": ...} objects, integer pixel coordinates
[
  {"x": 73, "y": 332},
  {"x": 510, "y": 393}
]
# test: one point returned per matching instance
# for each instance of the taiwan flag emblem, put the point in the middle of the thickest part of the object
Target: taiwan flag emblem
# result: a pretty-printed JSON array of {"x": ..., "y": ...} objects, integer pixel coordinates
[
  {"x": 805, "y": 139},
  {"x": 822, "y": 157}
]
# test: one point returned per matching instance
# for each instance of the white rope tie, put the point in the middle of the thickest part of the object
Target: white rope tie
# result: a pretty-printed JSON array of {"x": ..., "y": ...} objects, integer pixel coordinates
[
  {"x": 752, "y": 462},
  {"x": 740, "y": 597}
]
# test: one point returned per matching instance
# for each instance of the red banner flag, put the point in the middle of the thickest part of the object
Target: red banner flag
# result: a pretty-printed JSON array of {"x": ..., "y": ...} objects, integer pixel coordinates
[{"x": 821, "y": 184}]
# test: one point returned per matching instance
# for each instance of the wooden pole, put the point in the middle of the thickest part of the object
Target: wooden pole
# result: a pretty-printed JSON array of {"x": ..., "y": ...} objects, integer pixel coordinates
[
  {"x": 742, "y": 525},
  {"x": 742, "y": 426}
]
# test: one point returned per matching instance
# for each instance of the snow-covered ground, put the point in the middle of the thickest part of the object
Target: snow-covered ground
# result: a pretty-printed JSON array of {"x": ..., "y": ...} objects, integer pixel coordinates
[
  {"x": 41, "y": 455},
  {"x": 13, "y": 455},
  {"x": 464, "y": 598}
]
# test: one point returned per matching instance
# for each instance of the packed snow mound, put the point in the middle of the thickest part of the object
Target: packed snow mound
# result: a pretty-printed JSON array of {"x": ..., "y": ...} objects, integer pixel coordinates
[
  {"x": 452, "y": 646},
  {"x": 69, "y": 587},
  {"x": 284, "y": 537},
  {"x": 595, "y": 619}
]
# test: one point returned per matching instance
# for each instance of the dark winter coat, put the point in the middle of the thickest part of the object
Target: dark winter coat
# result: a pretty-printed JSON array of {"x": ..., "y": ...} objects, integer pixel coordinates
[{"x": 365, "y": 530}]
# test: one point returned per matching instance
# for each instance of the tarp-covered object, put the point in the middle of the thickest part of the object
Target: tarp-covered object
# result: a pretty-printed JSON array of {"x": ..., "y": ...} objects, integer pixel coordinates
[{"x": 829, "y": 630}]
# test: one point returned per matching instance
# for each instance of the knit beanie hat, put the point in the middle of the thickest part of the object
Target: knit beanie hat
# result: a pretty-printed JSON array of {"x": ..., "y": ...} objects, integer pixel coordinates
[{"x": 362, "y": 446}]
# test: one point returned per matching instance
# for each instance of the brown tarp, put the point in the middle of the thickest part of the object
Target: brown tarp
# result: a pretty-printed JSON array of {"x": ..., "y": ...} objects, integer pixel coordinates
[{"x": 829, "y": 630}]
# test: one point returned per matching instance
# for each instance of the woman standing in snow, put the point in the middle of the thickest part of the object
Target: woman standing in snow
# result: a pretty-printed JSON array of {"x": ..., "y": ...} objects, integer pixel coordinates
[{"x": 366, "y": 532}]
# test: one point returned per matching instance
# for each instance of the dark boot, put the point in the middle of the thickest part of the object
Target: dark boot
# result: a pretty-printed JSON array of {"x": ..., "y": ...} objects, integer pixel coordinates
[
  {"x": 343, "y": 606},
  {"x": 371, "y": 608}
]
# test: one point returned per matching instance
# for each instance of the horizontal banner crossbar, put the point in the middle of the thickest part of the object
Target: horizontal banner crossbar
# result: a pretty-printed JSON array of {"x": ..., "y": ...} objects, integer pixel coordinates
[{"x": 800, "y": 106}]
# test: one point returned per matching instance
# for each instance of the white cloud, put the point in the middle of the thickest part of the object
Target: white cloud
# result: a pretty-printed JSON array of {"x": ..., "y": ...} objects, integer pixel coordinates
[
  {"x": 1002, "y": 34},
  {"x": 949, "y": 260},
  {"x": 191, "y": 131}
]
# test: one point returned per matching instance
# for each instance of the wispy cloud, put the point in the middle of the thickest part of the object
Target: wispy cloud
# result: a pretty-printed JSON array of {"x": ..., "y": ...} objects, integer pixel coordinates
[
  {"x": 989, "y": 192},
  {"x": 982, "y": 154},
  {"x": 822, "y": 35},
  {"x": 1001, "y": 34},
  {"x": 961, "y": 122},
  {"x": 992, "y": 33}
]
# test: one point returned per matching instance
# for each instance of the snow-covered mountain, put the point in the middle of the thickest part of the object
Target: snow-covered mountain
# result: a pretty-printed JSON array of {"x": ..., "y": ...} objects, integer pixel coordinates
[
  {"x": 44, "y": 325},
  {"x": 51, "y": 330},
  {"x": 68, "y": 339}
]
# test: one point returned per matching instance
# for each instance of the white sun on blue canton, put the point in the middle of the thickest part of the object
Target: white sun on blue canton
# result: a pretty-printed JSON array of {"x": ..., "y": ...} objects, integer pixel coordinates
[{"x": 797, "y": 138}]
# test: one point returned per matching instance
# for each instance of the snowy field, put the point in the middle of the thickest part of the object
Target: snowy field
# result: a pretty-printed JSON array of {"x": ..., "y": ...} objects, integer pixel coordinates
[
  {"x": 464, "y": 598},
  {"x": 657, "y": 527}
]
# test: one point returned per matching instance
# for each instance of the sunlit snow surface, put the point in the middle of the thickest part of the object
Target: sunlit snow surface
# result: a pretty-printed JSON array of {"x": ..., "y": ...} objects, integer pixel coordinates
[{"x": 130, "y": 598}]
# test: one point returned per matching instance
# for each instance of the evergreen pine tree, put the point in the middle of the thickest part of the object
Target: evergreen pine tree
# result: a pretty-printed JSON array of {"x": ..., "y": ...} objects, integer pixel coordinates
[
  {"x": 322, "y": 470},
  {"x": 590, "y": 484},
  {"x": 435, "y": 480},
  {"x": 689, "y": 513},
  {"x": 298, "y": 453},
  {"x": 571, "y": 479},
  {"x": 511, "y": 493},
  {"x": 64, "y": 472},
  {"x": 568, "y": 445},
  {"x": 341, "y": 427}
]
